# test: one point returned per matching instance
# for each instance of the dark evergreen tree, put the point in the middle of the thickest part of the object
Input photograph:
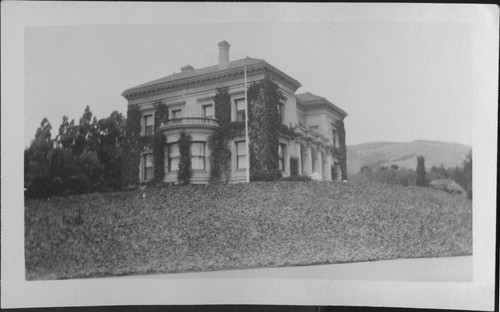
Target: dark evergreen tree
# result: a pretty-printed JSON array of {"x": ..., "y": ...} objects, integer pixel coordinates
[{"x": 421, "y": 178}]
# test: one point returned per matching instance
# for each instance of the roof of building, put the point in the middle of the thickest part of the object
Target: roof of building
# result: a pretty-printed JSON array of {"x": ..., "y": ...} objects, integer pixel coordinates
[
  {"x": 210, "y": 70},
  {"x": 309, "y": 99}
]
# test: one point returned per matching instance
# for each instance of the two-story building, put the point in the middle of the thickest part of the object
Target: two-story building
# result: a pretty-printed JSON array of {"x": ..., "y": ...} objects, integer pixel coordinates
[{"x": 189, "y": 96}]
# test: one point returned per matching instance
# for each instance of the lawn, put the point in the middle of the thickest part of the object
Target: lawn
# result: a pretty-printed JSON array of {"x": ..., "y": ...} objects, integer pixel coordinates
[{"x": 262, "y": 224}]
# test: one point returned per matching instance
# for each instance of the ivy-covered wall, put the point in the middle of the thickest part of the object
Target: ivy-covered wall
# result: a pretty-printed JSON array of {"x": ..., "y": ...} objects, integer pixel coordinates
[
  {"x": 161, "y": 114},
  {"x": 264, "y": 127},
  {"x": 184, "y": 173},
  {"x": 218, "y": 141},
  {"x": 342, "y": 149},
  {"x": 159, "y": 156},
  {"x": 222, "y": 107},
  {"x": 134, "y": 144}
]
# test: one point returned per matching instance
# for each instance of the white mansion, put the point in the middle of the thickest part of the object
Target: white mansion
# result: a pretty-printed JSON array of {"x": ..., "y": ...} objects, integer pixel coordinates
[{"x": 189, "y": 96}]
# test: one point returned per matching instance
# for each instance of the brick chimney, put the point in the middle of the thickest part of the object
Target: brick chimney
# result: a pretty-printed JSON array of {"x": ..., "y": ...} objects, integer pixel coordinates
[
  {"x": 187, "y": 68},
  {"x": 224, "y": 55}
]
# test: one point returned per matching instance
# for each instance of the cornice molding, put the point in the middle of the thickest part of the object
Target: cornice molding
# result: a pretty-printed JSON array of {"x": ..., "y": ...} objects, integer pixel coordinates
[
  {"x": 322, "y": 104},
  {"x": 210, "y": 78}
]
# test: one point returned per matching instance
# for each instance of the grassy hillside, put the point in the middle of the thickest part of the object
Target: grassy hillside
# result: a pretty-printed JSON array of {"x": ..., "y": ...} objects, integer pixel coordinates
[
  {"x": 405, "y": 154},
  {"x": 259, "y": 224}
]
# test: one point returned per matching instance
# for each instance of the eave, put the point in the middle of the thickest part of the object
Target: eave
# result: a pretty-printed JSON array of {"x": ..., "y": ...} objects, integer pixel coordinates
[{"x": 215, "y": 77}]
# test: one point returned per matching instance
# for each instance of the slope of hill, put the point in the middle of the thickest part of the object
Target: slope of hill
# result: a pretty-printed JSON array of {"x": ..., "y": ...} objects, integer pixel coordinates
[
  {"x": 404, "y": 154},
  {"x": 241, "y": 226}
]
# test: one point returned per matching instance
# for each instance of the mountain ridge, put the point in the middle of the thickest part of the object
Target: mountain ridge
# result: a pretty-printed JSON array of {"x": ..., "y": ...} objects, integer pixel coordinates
[{"x": 404, "y": 154}]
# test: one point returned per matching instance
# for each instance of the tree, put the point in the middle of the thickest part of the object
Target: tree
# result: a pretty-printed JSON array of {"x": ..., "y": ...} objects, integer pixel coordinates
[
  {"x": 67, "y": 134},
  {"x": 88, "y": 133},
  {"x": 421, "y": 179},
  {"x": 110, "y": 152}
]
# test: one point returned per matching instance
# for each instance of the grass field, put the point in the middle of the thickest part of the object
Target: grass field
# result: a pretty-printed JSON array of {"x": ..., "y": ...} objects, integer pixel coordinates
[{"x": 217, "y": 227}]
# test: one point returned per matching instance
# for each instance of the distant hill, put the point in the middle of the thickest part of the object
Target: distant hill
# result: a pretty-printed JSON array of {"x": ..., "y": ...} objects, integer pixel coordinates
[{"x": 376, "y": 154}]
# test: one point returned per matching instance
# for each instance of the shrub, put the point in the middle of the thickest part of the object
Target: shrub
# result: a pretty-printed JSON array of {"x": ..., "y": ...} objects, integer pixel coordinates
[
  {"x": 421, "y": 179},
  {"x": 404, "y": 181},
  {"x": 294, "y": 166},
  {"x": 447, "y": 185},
  {"x": 297, "y": 178},
  {"x": 266, "y": 176},
  {"x": 184, "y": 173}
]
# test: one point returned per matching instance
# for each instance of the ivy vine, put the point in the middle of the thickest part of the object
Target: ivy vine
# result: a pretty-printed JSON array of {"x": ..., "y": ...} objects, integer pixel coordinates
[
  {"x": 342, "y": 149},
  {"x": 264, "y": 127},
  {"x": 294, "y": 166},
  {"x": 184, "y": 173},
  {"x": 218, "y": 141},
  {"x": 159, "y": 156},
  {"x": 134, "y": 144},
  {"x": 161, "y": 114}
]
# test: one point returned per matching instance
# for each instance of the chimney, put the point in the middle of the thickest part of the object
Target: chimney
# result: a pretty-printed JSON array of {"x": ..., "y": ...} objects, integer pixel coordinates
[
  {"x": 224, "y": 55},
  {"x": 187, "y": 68}
]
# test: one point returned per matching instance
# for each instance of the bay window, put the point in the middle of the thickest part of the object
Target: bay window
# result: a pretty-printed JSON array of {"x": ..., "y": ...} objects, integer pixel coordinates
[
  {"x": 173, "y": 156},
  {"x": 198, "y": 155}
]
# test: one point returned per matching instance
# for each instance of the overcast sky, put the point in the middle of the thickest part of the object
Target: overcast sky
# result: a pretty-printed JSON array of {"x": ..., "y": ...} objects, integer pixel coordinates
[{"x": 397, "y": 81}]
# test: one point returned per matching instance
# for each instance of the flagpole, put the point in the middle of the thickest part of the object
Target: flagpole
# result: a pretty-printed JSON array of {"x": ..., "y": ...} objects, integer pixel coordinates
[{"x": 246, "y": 128}]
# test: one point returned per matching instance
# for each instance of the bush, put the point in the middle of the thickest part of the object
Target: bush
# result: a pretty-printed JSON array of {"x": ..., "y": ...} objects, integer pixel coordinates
[
  {"x": 297, "y": 178},
  {"x": 447, "y": 185},
  {"x": 266, "y": 176}
]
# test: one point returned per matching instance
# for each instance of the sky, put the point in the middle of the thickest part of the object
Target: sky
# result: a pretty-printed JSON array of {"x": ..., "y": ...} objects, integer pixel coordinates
[{"x": 398, "y": 81}]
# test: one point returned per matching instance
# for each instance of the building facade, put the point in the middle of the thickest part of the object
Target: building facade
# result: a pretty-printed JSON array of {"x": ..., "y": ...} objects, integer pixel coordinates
[{"x": 317, "y": 124}]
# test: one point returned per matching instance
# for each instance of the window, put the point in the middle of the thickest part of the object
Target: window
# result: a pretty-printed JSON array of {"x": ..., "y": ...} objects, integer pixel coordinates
[
  {"x": 334, "y": 137},
  {"x": 208, "y": 111},
  {"x": 281, "y": 113},
  {"x": 176, "y": 113},
  {"x": 240, "y": 109},
  {"x": 314, "y": 128},
  {"x": 241, "y": 155},
  {"x": 281, "y": 156},
  {"x": 173, "y": 157},
  {"x": 148, "y": 124},
  {"x": 148, "y": 167},
  {"x": 198, "y": 155}
]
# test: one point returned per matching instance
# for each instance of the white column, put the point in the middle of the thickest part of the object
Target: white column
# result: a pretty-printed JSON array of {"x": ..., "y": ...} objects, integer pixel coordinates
[
  {"x": 319, "y": 163},
  {"x": 329, "y": 167},
  {"x": 309, "y": 168},
  {"x": 299, "y": 148}
]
